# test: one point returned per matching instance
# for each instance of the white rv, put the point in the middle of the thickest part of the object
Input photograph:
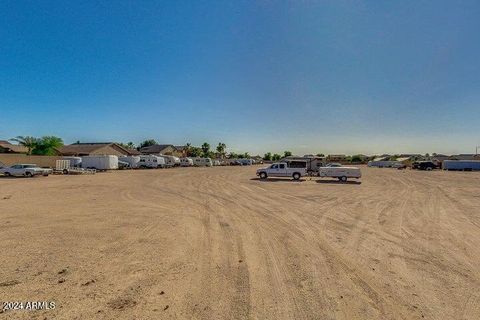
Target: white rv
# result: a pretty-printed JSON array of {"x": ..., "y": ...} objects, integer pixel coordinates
[
  {"x": 133, "y": 161},
  {"x": 107, "y": 162},
  {"x": 202, "y": 162},
  {"x": 151, "y": 161},
  {"x": 170, "y": 161},
  {"x": 186, "y": 162}
]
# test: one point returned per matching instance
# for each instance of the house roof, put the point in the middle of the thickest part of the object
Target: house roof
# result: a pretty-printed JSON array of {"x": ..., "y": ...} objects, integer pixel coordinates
[
  {"x": 13, "y": 147},
  {"x": 87, "y": 148},
  {"x": 156, "y": 148}
]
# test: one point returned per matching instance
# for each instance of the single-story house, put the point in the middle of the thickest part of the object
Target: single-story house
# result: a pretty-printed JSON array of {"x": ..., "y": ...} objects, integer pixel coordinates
[
  {"x": 96, "y": 148},
  {"x": 166, "y": 149},
  {"x": 463, "y": 156},
  {"x": 7, "y": 147}
]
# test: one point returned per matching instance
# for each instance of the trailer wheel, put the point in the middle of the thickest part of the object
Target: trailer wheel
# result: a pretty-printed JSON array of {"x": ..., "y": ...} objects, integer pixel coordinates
[
  {"x": 65, "y": 171},
  {"x": 343, "y": 179},
  {"x": 263, "y": 175},
  {"x": 296, "y": 176}
]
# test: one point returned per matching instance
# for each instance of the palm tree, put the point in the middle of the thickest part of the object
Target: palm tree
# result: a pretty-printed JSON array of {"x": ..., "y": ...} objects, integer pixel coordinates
[
  {"x": 205, "y": 148},
  {"x": 47, "y": 145},
  {"x": 27, "y": 141},
  {"x": 221, "y": 149}
]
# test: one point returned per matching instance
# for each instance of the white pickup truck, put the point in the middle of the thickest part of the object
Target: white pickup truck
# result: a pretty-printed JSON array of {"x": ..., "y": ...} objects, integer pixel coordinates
[
  {"x": 281, "y": 169},
  {"x": 341, "y": 173}
]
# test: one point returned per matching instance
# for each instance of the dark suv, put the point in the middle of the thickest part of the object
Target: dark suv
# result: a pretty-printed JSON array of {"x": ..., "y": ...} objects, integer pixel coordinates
[{"x": 424, "y": 165}]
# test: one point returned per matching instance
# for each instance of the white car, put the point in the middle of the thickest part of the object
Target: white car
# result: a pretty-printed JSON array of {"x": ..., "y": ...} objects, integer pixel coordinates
[
  {"x": 281, "y": 169},
  {"x": 25, "y": 170}
]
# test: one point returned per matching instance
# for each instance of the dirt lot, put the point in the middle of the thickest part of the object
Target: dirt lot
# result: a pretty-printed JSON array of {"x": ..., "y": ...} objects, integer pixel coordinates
[{"x": 216, "y": 243}]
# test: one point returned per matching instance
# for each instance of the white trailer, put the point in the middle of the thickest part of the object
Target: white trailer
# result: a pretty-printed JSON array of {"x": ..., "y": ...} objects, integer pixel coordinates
[
  {"x": 341, "y": 173},
  {"x": 133, "y": 161},
  {"x": 75, "y": 162},
  {"x": 202, "y": 162},
  {"x": 100, "y": 162},
  {"x": 151, "y": 161},
  {"x": 186, "y": 162}
]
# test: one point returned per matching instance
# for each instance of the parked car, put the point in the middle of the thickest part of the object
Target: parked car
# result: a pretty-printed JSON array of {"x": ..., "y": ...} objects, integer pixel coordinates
[
  {"x": 424, "y": 165},
  {"x": 25, "y": 170},
  {"x": 341, "y": 173},
  {"x": 281, "y": 169}
]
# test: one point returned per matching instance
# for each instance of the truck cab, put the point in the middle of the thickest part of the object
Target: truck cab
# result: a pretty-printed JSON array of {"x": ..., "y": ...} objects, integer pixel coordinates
[{"x": 282, "y": 169}]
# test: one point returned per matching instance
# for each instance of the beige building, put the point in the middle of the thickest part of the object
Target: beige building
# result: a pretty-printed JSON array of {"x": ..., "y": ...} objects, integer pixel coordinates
[
  {"x": 166, "y": 149},
  {"x": 88, "y": 149},
  {"x": 7, "y": 147}
]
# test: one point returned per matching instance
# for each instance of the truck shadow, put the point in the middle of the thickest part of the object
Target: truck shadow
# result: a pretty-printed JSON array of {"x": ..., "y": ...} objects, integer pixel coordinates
[
  {"x": 337, "y": 182},
  {"x": 277, "y": 180}
]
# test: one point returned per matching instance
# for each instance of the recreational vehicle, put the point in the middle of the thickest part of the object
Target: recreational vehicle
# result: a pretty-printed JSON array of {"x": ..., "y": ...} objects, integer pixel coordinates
[
  {"x": 133, "y": 161},
  {"x": 202, "y": 162},
  {"x": 170, "y": 161},
  {"x": 151, "y": 161},
  {"x": 107, "y": 162},
  {"x": 186, "y": 162}
]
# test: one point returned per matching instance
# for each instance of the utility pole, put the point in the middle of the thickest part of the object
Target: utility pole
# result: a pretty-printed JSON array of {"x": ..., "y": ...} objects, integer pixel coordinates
[{"x": 476, "y": 150}]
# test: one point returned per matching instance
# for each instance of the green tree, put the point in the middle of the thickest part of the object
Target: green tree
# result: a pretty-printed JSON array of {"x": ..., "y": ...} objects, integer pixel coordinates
[
  {"x": 205, "y": 148},
  {"x": 246, "y": 155},
  {"x": 221, "y": 149},
  {"x": 276, "y": 157},
  {"x": 232, "y": 155},
  {"x": 287, "y": 154},
  {"x": 194, "y": 152},
  {"x": 47, "y": 145},
  {"x": 356, "y": 158},
  {"x": 267, "y": 156},
  {"x": 147, "y": 143},
  {"x": 128, "y": 145},
  {"x": 320, "y": 155},
  {"x": 26, "y": 141}
]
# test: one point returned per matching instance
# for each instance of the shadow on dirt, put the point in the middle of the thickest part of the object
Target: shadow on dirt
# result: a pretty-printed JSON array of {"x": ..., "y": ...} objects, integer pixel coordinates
[
  {"x": 277, "y": 180},
  {"x": 337, "y": 182}
]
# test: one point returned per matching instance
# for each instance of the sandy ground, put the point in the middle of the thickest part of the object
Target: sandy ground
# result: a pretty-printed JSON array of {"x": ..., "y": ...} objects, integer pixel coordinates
[{"x": 216, "y": 243}]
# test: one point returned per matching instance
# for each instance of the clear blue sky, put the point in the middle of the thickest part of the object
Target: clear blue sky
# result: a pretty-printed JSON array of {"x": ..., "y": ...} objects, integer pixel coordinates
[{"x": 306, "y": 76}]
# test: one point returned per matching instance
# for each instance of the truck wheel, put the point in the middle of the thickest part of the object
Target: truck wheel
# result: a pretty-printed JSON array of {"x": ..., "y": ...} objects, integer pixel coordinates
[
  {"x": 296, "y": 176},
  {"x": 65, "y": 171},
  {"x": 263, "y": 175},
  {"x": 343, "y": 179},
  {"x": 28, "y": 174},
  {"x": 429, "y": 168},
  {"x": 7, "y": 174}
]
